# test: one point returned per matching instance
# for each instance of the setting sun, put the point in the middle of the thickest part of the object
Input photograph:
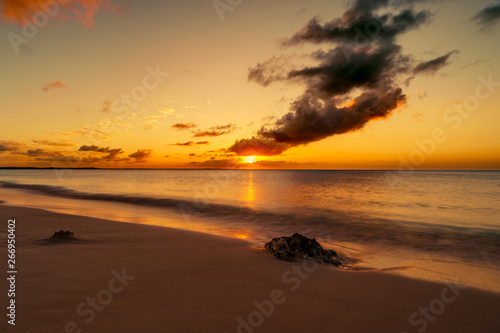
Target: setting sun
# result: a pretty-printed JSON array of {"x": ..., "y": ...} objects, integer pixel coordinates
[{"x": 250, "y": 159}]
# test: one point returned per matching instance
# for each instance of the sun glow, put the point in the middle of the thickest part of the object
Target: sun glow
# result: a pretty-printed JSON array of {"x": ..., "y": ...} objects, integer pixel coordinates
[{"x": 249, "y": 159}]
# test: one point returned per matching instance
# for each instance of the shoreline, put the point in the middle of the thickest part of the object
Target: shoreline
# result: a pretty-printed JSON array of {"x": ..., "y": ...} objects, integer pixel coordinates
[{"x": 187, "y": 281}]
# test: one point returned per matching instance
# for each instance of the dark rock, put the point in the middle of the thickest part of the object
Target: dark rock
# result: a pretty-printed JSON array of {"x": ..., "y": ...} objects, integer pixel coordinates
[
  {"x": 282, "y": 255},
  {"x": 277, "y": 244},
  {"x": 331, "y": 253},
  {"x": 61, "y": 234},
  {"x": 318, "y": 252},
  {"x": 287, "y": 248},
  {"x": 335, "y": 262}
]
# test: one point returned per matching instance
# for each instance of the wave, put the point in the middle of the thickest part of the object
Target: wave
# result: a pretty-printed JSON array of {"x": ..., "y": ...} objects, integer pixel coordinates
[{"x": 478, "y": 244}]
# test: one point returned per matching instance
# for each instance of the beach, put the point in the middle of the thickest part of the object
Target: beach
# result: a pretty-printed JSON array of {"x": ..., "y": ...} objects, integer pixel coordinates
[
  {"x": 250, "y": 166},
  {"x": 125, "y": 277}
]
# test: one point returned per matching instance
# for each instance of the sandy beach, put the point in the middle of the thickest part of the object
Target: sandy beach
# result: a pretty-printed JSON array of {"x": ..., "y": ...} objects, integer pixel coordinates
[{"x": 124, "y": 277}]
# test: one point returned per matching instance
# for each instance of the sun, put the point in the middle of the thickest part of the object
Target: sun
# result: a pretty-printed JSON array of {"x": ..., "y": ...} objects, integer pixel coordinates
[{"x": 249, "y": 159}]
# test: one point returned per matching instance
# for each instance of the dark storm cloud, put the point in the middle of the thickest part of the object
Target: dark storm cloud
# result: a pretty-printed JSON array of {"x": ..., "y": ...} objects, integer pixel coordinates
[
  {"x": 367, "y": 68},
  {"x": 432, "y": 66},
  {"x": 258, "y": 146},
  {"x": 311, "y": 121},
  {"x": 359, "y": 25},
  {"x": 488, "y": 17},
  {"x": 354, "y": 82}
]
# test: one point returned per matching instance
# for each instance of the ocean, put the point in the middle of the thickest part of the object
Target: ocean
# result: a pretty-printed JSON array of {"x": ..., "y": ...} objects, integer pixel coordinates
[{"x": 435, "y": 225}]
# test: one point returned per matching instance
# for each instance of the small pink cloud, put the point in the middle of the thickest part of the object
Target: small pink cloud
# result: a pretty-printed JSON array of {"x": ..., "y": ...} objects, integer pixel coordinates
[
  {"x": 417, "y": 116},
  {"x": 106, "y": 106},
  {"x": 53, "y": 85}
]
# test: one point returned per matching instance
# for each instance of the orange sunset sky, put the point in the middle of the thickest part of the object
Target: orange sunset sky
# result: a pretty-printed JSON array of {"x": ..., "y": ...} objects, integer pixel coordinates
[{"x": 251, "y": 84}]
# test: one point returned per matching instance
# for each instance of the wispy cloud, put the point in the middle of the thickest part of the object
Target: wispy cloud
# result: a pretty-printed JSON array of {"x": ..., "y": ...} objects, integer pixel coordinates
[
  {"x": 99, "y": 149},
  {"x": 10, "y": 146},
  {"x": 107, "y": 106},
  {"x": 53, "y": 143},
  {"x": 41, "y": 152},
  {"x": 183, "y": 144},
  {"x": 475, "y": 63},
  {"x": 183, "y": 126},
  {"x": 216, "y": 131},
  {"x": 190, "y": 143},
  {"x": 432, "y": 66},
  {"x": 53, "y": 85},
  {"x": 417, "y": 116},
  {"x": 488, "y": 17},
  {"x": 141, "y": 155},
  {"x": 167, "y": 111}
]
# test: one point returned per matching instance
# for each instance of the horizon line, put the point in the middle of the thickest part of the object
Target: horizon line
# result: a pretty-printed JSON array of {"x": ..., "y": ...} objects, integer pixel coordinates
[{"x": 228, "y": 168}]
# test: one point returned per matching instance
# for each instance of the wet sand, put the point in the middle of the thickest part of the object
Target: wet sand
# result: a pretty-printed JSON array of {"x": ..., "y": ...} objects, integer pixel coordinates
[{"x": 124, "y": 277}]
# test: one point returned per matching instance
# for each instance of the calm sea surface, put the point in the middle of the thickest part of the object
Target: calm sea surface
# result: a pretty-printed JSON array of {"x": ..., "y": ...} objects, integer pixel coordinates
[{"x": 438, "y": 214}]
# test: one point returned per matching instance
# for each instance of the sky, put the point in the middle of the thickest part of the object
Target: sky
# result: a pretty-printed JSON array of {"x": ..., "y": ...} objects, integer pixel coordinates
[{"x": 381, "y": 84}]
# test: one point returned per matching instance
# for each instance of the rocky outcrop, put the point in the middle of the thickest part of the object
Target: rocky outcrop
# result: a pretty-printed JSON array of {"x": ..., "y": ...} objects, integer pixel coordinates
[
  {"x": 287, "y": 248},
  {"x": 61, "y": 234}
]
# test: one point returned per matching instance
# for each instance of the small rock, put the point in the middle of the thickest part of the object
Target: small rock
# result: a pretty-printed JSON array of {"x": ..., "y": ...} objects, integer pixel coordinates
[{"x": 61, "y": 234}]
